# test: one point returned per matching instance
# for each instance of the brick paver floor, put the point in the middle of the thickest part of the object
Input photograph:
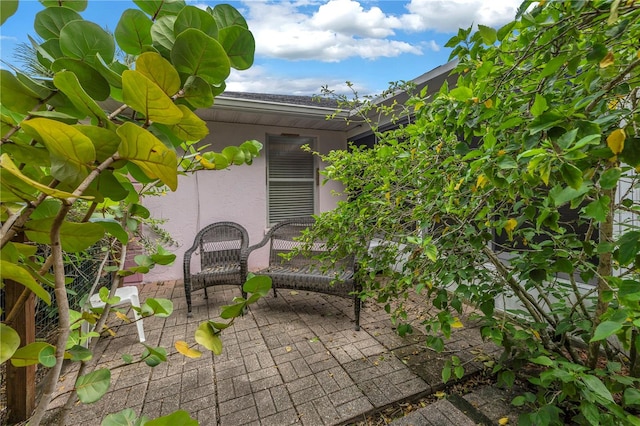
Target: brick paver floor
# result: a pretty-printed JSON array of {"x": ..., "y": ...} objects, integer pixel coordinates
[{"x": 292, "y": 359}]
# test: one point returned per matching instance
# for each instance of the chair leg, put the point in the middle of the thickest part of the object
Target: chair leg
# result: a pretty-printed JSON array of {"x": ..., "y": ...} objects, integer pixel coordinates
[
  {"x": 356, "y": 308},
  {"x": 135, "y": 301},
  {"x": 187, "y": 293}
]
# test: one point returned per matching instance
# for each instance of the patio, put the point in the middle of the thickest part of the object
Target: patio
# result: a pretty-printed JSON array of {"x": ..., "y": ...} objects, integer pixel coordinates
[{"x": 291, "y": 359}]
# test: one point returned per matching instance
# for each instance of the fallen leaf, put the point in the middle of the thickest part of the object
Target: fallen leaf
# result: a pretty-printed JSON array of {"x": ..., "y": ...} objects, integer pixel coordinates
[
  {"x": 503, "y": 421},
  {"x": 293, "y": 292},
  {"x": 440, "y": 394},
  {"x": 288, "y": 349}
]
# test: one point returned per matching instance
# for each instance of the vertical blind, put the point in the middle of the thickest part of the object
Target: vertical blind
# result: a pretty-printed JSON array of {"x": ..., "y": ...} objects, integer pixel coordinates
[{"x": 290, "y": 177}]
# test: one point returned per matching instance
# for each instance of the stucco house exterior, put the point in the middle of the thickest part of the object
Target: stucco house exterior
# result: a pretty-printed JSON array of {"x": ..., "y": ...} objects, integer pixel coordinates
[{"x": 283, "y": 182}]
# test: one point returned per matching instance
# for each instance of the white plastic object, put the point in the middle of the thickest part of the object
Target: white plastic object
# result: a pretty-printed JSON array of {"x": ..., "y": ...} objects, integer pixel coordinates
[{"x": 128, "y": 296}]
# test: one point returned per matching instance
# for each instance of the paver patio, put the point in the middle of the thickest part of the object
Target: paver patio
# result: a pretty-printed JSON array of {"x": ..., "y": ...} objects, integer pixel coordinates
[{"x": 291, "y": 359}]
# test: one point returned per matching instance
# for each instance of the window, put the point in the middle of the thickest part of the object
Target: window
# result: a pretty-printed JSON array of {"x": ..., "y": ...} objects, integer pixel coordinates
[{"x": 290, "y": 177}]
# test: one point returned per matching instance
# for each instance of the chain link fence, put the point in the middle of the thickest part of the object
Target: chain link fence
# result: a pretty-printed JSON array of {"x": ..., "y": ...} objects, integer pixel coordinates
[{"x": 81, "y": 271}]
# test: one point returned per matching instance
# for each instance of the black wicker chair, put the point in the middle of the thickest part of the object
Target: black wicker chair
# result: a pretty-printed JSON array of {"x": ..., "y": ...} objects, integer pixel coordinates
[
  {"x": 304, "y": 272},
  {"x": 220, "y": 246}
]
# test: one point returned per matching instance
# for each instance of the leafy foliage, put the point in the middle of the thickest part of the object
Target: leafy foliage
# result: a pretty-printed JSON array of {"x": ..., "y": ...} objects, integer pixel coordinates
[
  {"x": 506, "y": 186},
  {"x": 74, "y": 137}
]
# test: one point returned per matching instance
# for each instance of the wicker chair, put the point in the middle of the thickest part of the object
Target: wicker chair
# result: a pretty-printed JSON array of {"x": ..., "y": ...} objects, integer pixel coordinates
[
  {"x": 304, "y": 272},
  {"x": 220, "y": 246}
]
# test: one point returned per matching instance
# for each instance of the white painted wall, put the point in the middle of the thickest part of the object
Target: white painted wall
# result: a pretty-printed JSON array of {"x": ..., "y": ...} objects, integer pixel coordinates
[{"x": 238, "y": 194}]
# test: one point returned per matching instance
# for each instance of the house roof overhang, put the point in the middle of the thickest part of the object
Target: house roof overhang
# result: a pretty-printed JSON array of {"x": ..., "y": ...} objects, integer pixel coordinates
[{"x": 306, "y": 113}]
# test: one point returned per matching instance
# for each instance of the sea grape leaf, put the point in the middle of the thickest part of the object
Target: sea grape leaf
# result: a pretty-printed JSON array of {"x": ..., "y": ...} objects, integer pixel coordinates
[
  {"x": 133, "y": 31},
  {"x": 195, "y": 53},
  {"x": 157, "y": 69},
  {"x": 68, "y": 83},
  {"x": 75, "y": 237},
  {"x": 149, "y": 153},
  {"x": 84, "y": 40},
  {"x": 71, "y": 151},
  {"x": 91, "y": 387},
  {"x": 144, "y": 96},
  {"x": 191, "y": 127},
  {"x": 50, "y": 21},
  {"x": 194, "y": 17},
  {"x": 240, "y": 46},
  {"x": 14, "y": 272}
]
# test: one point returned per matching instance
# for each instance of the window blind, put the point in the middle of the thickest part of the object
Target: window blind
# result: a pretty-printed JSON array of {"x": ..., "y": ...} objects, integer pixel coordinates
[{"x": 290, "y": 178}]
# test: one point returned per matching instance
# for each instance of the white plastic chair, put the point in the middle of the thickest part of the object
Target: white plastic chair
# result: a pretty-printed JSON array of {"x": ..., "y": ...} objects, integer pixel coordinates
[{"x": 128, "y": 296}]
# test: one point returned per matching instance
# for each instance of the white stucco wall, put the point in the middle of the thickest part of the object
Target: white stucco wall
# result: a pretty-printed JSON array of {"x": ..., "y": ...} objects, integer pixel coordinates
[{"x": 238, "y": 194}]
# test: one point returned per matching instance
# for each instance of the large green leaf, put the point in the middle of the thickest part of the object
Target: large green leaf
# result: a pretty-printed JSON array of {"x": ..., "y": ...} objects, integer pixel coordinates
[
  {"x": 180, "y": 417},
  {"x": 629, "y": 243},
  {"x": 13, "y": 272},
  {"x": 157, "y": 69},
  {"x": 571, "y": 175},
  {"x": 227, "y": 16},
  {"x": 197, "y": 92},
  {"x": 157, "y": 306},
  {"x": 29, "y": 354},
  {"x": 159, "y": 8},
  {"x": 14, "y": 95},
  {"x": 126, "y": 417},
  {"x": 75, "y": 237},
  {"x": 240, "y": 46},
  {"x": 191, "y": 127},
  {"x": 133, "y": 31},
  {"x": 195, "y": 53},
  {"x": 91, "y": 80},
  {"x": 599, "y": 388},
  {"x": 91, "y": 387},
  {"x": 489, "y": 35},
  {"x": 84, "y": 40},
  {"x": 9, "y": 343},
  {"x": 112, "y": 227},
  {"x": 207, "y": 337},
  {"x": 13, "y": 189},
  {"x": 144, "y": 96},
  {"x": 149, "y": 153},
  {"x": 154, "y": 356},
  {"x": 47, "y": 356},
  {"x": 598, "y": 209},
  {"x": 10, "y": 167},
  {"x": 50, "y": 21},
  {"x": 71, "y": 151},
  {"x": 194, "y": 17},
  {"x": 80, "y": 353},
  {"x": 105, "y": 141},
  {"x": 163, "y": 36},
  {"x": 609, "y": 179},
  {"x": 606, "y": 329},
  {"x": 260, "y": 284},
  {"x": 68, "y": 83},
  {"x": 77, "y": 5},
  {"x": 7, "y": 9},
  {"x": 109, "y": 186}
]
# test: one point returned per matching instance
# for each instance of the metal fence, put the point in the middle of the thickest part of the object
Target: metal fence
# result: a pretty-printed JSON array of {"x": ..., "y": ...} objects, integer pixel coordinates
[{"x": 81, "y": 269}]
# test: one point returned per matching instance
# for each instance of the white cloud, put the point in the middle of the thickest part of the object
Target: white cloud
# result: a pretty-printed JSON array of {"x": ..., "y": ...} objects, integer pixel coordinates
[
  {"x": 335, "y": 31},
  {"x": 260, "y": 80},
  {"x": 10, "y": 38},
  {"x": 449, "y": 15},
  {"x": 348, "y": 17}
]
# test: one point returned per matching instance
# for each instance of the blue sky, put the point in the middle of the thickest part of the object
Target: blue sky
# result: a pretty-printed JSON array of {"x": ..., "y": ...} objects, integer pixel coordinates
[{"x": 302, "y": 45}]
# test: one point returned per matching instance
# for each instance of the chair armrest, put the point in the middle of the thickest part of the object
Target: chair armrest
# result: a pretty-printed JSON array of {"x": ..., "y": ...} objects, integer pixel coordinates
[
  {"x": 245, "y": 253},
  {"x": 186, "y": 263}
]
